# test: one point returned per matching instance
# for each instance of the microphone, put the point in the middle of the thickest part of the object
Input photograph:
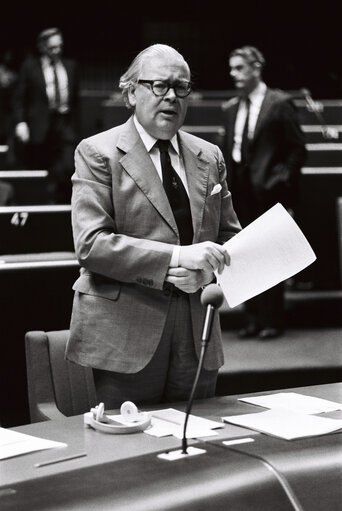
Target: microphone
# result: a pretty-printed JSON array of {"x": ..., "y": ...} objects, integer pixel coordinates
[
  {"x": 212, "y": 298},
  {"x": 328, "y": 132}
]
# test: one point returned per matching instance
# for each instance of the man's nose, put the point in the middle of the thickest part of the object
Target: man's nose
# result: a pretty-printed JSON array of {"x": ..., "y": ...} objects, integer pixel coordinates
[{"x": 171, "y": 95}]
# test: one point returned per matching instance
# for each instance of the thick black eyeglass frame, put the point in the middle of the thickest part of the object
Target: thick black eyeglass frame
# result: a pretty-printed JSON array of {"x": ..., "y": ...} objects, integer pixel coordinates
[{"x": 168, "y": 86}]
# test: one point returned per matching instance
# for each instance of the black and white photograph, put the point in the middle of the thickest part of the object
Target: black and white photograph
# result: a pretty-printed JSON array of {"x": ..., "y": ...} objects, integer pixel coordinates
[{"x": 171, "y": 256}]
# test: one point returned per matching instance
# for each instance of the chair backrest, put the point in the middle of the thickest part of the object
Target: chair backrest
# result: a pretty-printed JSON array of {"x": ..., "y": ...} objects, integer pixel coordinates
[{"x": 56, "y": 387}]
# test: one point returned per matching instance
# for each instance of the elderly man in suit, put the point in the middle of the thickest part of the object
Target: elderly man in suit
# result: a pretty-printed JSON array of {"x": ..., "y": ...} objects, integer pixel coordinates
[
  {"x": 265, "y": 151},
  {"x": 150, "y": 212},
  {"x": 45, "y": 110}
]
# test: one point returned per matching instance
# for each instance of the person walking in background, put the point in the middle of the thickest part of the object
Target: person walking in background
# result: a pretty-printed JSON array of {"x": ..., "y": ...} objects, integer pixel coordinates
[
  {"x": 45, "y": 110},
  {"x": 265, "y": 152},
  {"x": 150, "y": 211}
]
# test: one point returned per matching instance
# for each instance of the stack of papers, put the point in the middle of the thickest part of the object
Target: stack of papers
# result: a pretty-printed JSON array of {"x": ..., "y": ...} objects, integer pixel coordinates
[
  {"x": 171, "y": 422},
  {"x": 293, "y": 401},
  {"x": 289, "y": 416},
  {"x": 268, "y": 251},
  {"x": 14, "y": 444}
]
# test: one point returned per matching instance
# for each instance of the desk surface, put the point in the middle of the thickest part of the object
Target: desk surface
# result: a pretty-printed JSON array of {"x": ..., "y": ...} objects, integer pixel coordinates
[{"x": 123, "y": 471}]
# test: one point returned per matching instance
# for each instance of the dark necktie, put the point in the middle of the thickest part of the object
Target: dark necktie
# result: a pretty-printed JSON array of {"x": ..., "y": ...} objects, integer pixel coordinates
[
  {"x": 176, "y": 193},
  {"x": 56, "y": 84},
  {"x": 245, "y": 140}
]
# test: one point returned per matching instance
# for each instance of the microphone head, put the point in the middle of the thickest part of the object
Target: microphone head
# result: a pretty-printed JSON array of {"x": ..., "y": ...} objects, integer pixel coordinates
[
  {"x": 305, "y": 92},
  {"x": 212, "y": 295}
]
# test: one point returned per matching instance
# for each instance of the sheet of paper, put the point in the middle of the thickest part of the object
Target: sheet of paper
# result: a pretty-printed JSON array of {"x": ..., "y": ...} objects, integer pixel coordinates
[
  {"x": 286, "y": 423},
  {"x": 293, "y": 401},
  {"x": 177, "y": 417},
  {"x": 268, "y": 251},
  {"x": 169, "y": 421},
  {"x": 13, "y": 443},
  {"x": 160, "y": 428}
]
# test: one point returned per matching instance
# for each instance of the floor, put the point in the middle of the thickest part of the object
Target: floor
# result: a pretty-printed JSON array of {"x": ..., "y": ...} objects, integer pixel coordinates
[{"x": 309, "y": 352}]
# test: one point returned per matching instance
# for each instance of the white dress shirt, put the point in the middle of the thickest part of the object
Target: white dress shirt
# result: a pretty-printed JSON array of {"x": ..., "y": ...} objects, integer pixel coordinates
[
  {"x": 152, "y": 149},
  {"x": 50, "y": 84},
  {"x": 256, "y": 98},
  {"x": 176, "y": 161}
]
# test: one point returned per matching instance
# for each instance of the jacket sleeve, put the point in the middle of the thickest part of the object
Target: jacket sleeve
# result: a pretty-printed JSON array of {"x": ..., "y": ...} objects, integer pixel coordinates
[
  {"x": 20, "y": 96},
  {"x": 293, "y": 137}
]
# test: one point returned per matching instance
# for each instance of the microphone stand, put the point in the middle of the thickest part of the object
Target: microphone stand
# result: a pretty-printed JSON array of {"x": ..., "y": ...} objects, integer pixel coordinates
[
  {"x": 211, "y": 297},
  {"x": 328, "y": 132},
  {"x": 204, "y": 345}
]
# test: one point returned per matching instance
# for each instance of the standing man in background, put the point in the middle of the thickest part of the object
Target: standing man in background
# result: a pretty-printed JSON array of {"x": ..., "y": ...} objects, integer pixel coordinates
[
  {"x": 265, "y": 152},
  {"x": 46, "y": 113},
  {"x": 150, "y": 211}
]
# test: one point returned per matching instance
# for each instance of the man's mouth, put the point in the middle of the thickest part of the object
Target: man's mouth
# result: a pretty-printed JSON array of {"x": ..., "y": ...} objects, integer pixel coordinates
[{"x": 169, "y": 113}]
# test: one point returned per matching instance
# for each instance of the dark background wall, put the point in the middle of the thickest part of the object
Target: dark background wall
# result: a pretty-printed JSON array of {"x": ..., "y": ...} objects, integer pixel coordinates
[{"x": 301, "y": 40}]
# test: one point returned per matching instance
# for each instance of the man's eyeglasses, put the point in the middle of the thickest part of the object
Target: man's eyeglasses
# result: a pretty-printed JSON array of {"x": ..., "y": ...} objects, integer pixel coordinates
[{"x": 160, "y": 88}]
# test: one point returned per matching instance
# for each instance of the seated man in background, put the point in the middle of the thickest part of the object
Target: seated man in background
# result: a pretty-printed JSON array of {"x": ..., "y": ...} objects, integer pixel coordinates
[{"x": 150, "y": 211}]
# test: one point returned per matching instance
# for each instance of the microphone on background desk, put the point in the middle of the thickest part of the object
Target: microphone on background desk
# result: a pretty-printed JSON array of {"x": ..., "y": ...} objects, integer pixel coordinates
[
  {"x": 328, "y": 132},
  {"x": 212, "y": 298}
]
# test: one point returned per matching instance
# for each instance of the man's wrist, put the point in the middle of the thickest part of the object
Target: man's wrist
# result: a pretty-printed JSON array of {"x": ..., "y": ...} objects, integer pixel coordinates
[{"x": 175, "y": 256}]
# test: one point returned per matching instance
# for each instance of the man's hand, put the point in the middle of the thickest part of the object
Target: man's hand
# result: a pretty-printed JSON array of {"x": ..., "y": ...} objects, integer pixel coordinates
[
  {"x": 206, "y": 256},
  {"x": 22, "y": 132},
  {"x": 187, "y": 280}
]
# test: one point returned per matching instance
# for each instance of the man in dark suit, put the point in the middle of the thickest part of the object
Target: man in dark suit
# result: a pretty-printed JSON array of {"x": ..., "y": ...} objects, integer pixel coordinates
[
  {"x": 265, "y": 151},
  {"x": 46, "y": 112},
  {"x": 150, "y": 210}
]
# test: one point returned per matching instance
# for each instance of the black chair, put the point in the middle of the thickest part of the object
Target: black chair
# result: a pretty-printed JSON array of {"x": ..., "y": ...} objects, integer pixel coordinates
[{"x": 56, "y": 387}]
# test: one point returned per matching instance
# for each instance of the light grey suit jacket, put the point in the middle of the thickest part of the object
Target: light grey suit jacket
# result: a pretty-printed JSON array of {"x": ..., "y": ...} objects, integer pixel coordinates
[{"x": 124, "y": 232}]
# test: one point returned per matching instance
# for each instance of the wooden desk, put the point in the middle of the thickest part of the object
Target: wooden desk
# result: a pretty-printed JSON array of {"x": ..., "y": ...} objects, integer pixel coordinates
[{"x": 124, "y": 472}]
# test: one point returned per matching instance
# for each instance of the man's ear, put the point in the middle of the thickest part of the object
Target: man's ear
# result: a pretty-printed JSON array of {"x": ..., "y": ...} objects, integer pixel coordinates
[
  {"x": 257, "y": 69},
  {"x": 131, "y": 95}
]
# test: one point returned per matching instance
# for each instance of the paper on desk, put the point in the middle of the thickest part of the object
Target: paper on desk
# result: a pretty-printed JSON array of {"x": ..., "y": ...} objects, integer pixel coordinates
[
  {"x": 293, "y": 401},
  {"x": 170, "y": 422},
  {"x": 268, "y": 251},
  {"x": 13, "y": 443},
  {"x": 286, "y": 424}
]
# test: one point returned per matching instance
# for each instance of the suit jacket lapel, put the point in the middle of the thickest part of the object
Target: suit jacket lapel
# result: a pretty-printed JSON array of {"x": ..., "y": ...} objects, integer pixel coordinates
[
  {"x": 264, "y": 110},
  {"x": 40, "y": 75},
  {"x": 68, "y": 68},
  {"x": 197, "y": 173},
  {"x": 139, "y": 166}
]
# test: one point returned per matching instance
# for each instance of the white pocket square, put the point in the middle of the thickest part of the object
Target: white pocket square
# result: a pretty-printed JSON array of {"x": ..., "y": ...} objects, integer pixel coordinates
[{"x": 217, "y": 188}]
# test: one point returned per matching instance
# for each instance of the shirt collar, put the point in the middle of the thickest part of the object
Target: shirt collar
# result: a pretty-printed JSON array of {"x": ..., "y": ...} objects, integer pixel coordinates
[
  {"x": 46, "y": 61},
  {"x": 150, "y": 141},
  {"x": 258, "y": 94}
]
